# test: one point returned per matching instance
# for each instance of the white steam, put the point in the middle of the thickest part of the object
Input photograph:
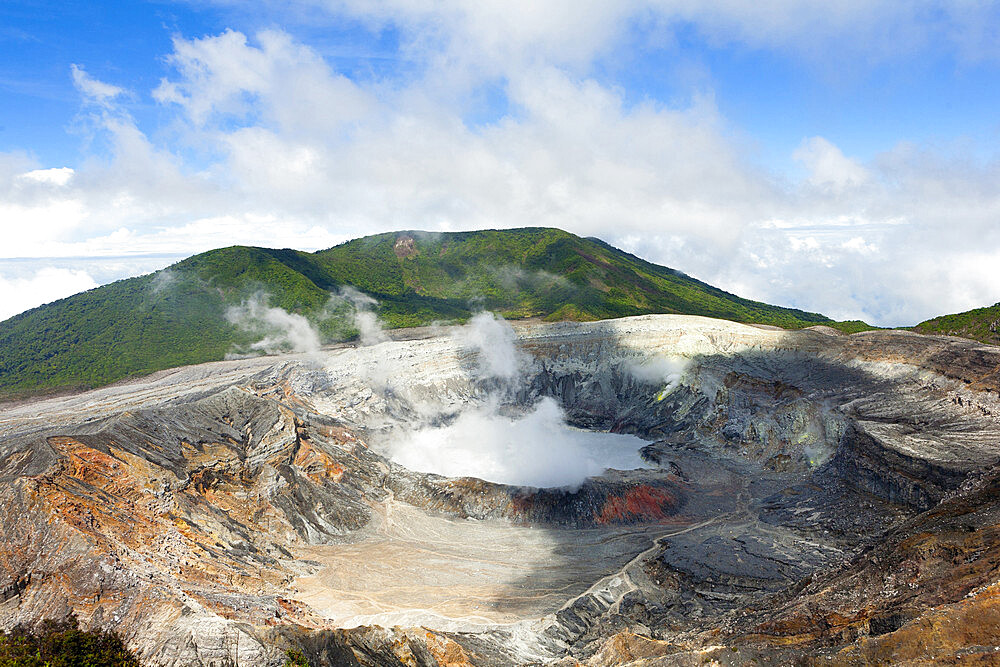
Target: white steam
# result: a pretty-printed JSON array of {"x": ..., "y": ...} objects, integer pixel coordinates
[
  {"x": 515, "y": 277},
  {"x": 282, "y": 331},
  {"x": 536, "y": 449},
  {"x": 370, "y": 330},
  {"x": 667, "y": 372},
  {"x": 162, "y": 280},
  {"x": 493, "y": 339}
]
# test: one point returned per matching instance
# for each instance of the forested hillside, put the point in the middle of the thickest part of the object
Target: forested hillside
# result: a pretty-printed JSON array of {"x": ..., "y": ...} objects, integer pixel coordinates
[{"x": 178, "y": 316}]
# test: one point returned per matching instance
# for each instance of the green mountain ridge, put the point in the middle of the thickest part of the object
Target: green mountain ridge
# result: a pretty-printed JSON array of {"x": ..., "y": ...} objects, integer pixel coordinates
[
  {"x": 176, "y": 316},
  {"x": 982, "y": 324}
]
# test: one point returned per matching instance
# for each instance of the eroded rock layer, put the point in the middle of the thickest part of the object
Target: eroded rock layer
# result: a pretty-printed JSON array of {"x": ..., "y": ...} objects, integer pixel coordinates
[{"x": 809, "y": 497}]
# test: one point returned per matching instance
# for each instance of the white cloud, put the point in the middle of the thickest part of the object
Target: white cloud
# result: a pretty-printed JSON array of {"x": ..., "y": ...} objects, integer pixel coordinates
[
  {"x": 54, "y": 176},
  {"x": 859, "y": 245},
  {"x": 289, "y": 152},
  {"x": 33, "y": 225},
  {"x": 828, "y": 166},
  {"x": 492, "y": 36},
  {"x": 45, "y": 285},
  {"x": 92, "y": 89},
  {"x": 287, "y": 84}
]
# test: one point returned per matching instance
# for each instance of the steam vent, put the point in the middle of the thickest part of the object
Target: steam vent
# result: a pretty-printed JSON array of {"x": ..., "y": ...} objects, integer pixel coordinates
[{"x": 655, "y": 490}]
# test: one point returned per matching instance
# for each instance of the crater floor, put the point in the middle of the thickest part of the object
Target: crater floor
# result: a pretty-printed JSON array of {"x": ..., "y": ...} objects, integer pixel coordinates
[{"x": 459, "y": 574}]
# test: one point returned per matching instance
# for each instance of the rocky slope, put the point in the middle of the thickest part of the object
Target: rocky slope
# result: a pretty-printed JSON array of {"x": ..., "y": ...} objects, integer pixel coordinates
[{"x": 810, "y": 497}]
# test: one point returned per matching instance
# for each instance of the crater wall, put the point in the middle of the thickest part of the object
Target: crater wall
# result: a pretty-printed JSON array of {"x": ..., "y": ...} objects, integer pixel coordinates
[{"x": 209, "y": 513}]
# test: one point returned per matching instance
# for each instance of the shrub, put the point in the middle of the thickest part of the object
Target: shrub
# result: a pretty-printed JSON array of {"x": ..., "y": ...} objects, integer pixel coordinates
[
  {"x": 295, "y": 658},
  {"x": 63, "y": 644}
]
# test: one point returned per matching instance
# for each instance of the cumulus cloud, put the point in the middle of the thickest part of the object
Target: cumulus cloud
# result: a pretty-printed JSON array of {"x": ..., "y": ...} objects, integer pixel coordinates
[
  {"x": 828, "y": 166},
  {"x": 290, "y": 152},
  {"x": 285, "y": 83},
  {"x": 53, "y": 176}
]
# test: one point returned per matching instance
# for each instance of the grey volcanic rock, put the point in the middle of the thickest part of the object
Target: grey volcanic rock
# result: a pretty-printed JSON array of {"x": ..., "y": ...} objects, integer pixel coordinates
[{"x": 219, "y": 514}]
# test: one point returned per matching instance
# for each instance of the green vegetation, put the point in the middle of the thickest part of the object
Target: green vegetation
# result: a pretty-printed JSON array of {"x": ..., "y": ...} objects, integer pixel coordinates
[
  {"x": 530, "y": 272},
  {"x": 982, "y": 324},
  {"x": 63, "y": 644},
  {"x": 177, "y": 316},
  {"x": 295, "y": 658}
]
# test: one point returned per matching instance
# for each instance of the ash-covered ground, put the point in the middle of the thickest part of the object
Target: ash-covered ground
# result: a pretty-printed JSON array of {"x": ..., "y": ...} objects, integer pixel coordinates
[{"x": 803, "y": 497}]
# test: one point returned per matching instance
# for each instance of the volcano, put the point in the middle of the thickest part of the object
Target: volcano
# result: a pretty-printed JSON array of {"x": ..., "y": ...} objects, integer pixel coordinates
[{"x": 799, "y": 496}]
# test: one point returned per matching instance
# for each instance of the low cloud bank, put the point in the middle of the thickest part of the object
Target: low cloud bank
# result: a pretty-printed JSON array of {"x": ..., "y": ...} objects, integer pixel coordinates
[{"x": 21, "y": 292}]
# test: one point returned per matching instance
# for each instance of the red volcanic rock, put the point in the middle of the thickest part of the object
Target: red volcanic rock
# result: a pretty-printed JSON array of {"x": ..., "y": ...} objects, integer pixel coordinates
[{"x": 641, "y": 504}]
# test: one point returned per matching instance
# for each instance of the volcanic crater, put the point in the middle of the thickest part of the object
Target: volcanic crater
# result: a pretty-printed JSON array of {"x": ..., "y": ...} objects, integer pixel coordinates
[{"x": 800, "y": 496}]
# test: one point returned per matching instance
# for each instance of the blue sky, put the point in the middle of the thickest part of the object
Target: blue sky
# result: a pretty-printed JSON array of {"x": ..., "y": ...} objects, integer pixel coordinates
[
  {"x": 839, "y": 158},
  {"x": 930, "y": 96},
  {"x": 123, "y": 41},
  {"x": 126, "y": 43}
]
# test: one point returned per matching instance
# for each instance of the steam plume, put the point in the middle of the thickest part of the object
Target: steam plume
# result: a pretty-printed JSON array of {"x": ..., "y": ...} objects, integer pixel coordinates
[
  {"x": 537, "y": 448},
  {"x": 493, "y": 338},
  {"x": 665, "y": 371},
  {"x": 162, "y": 280},
  {"x": 282, "y": 331},
  {"x": 370, "y": 330}
]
